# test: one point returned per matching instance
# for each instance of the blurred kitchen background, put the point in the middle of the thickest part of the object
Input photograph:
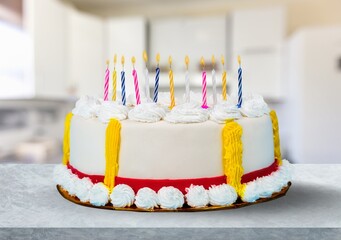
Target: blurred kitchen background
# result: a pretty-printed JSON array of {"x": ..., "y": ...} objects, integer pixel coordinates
[{"x": 53, "y": 51}]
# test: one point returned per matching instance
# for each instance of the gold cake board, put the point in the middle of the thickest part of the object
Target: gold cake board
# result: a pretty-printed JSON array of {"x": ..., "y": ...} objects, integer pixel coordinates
[{"x": 185, "y": 208}]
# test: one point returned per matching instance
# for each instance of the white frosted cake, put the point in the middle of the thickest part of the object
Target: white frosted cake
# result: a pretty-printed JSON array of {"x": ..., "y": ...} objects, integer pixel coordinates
[{"x": 149, "y": 157}]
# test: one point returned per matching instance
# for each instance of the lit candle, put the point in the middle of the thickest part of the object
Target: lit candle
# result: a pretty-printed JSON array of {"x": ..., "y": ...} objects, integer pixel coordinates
[
  {"x": 114, "y": 79},
  {"x": 157, "y": 77},
  {"x": 171, "y": 83},
  {"x": 204, "y": 87},
  {"x": 123, "y": 86},
  {"x": 146, "y": 76},
  {"x": 240, "y": 86},
  {"x": 187, "y": 95},
  {"x": 223, "y": 79},
  {"x": 214, "y": 82},
  {"x": 106, "y": 82},
  {"x": 136, "y": 82}
]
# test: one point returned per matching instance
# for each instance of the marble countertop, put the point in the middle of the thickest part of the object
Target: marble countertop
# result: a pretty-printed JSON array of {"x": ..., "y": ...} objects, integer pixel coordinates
[{"x": 29, "y": 199}]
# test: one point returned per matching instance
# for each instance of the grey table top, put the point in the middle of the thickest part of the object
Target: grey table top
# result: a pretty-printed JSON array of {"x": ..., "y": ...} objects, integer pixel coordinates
[{"x": 29, "y": 198}]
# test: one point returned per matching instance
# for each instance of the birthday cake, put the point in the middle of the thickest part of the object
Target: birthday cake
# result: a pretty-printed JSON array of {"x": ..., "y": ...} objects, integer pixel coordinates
[{"x": 171, "y": 154}]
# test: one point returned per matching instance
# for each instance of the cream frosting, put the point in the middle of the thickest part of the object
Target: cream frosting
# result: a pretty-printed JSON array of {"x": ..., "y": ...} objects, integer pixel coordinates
[
  {"x": 197, "y": 196},
  {"x": 82, "y": 189},
  {"x": 99, "y": 195},
  {"x": 265, "y": 186},
  {"x": 122, "y": 196},
  {"x": 170, "y": 198},
  {"x": 224, "y": 111},
  {"x": 87, "y": 107},
  {"x": 147, "y": 112},
  {"x": 187, "y": 113},
  {"x": 146, "y": 198},
  {"x": 109, "y": 110},
  {"x": 254, "y": 106},
  {"x": 61, "y": 175},
  {"x": 222, "y": 195}
]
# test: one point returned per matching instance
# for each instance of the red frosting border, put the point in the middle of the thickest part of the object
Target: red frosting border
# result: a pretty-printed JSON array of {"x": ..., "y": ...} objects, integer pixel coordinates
[{"x": 180, "y": 184}]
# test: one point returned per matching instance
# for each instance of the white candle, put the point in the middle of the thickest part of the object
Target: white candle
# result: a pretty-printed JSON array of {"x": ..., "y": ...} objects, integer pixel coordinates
[
  {"x": 146, "y": 76},
  {"x": 187, "y": 94},
  {"x": 214, "y": 82}
]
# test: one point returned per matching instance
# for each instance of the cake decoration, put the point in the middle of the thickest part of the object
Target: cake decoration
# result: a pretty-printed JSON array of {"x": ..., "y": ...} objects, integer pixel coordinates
[
  {"x": 275, "y": 128},
  {"x": 222, "y": 195},
  {"x": 171, "y": 83},
  {"x": 170, "y": 198},
  {"x": 87, "y": 107},
  {"x": 254, "y": 106},
  {"x": 82, "y": 189},
  {"x": 122, "y": 196},
  {"x": 187, "y": 113},
  {"x": 109, "y": 110},
  {"x": 66, "y": 139},
  {"x": 123, "y": 85},
  {"x": 106, "y": 82},
  {"x": 240, "y": 84},
  {"x": 99, "y": 195},
  {"x": 223, "y": 79},
  {"x": 146, "y": 198},
  {"x": 112, "y": 147},
  {"x": 136, "y": 82},
  {"x": 114, "y": 80},
  {"x": 146, "y": 76},
  {"x": 214, "y": 82},
  {"x": 197, "y": 196},
  {"x": 204, "y": 83},
  {"x": 147, "y": 112},
  {"x": 232, "y": 155},
  {"x": 224, "y": 111},
  {"x": 157, "y": 78},
  {"x": 187, "y": 90}
]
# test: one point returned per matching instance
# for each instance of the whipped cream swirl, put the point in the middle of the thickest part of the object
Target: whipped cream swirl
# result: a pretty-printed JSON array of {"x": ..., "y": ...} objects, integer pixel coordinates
[
  {"x": 99, "y": 195},
  {"x": 83, "y": 187},
  {"x": 87, "y": 107},
  {"x": 222, "y": 195},
  {"x": 146, "y": 198},
  {"x": 225, "y": 111},
  {"x": 147, "y": 112},
  {"x": 122, "y": 196},
  {"x": 254, "y": 106},
  {"x": 109, "y": 110},
  {"x": 187, "y": 113},
  {"x": 170, "y": 198},
  {"x": 197, "y": 196}
]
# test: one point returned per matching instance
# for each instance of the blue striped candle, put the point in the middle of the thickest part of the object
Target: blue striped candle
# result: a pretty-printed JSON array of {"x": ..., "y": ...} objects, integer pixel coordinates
[
  {"x": 123, "y": 86},
  {"x": 157, "y": 78},
  {"x": 240, "y": 86}
]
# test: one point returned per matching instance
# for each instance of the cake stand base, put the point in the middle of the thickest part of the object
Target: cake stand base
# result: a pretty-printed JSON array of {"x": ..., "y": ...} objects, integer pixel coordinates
[{"x": 238, "y": 204}]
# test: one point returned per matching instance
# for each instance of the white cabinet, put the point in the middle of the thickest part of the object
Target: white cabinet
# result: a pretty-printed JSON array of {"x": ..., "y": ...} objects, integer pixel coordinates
[{"x": 257, "y": 36}]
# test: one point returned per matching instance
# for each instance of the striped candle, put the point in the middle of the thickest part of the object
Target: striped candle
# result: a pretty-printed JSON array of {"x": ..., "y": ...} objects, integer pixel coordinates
[
  {"x": 171, "y": 83},
  {"x": 223, "y": 79},
  {"x": 187, "y": 94},
  {"x": 114, "y": 80},
  {"x": 157, "y": 77},
  {"x": 240, "y": 86},
  {"x": 123, "y": 86},
  {"x": 204, "y": 85},
  {"x": 136, "y": 82},
  {"x": 106, "y": 82}
]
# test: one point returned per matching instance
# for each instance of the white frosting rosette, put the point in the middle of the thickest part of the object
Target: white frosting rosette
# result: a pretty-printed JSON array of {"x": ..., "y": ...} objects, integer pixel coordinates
[
  {"x": 122, "y": 196},
  {"x": 99, "y": 195},
  {"x": 87, "y": 107},
  {"x": 147, "y": 112},
  {"x": 146, "y": 198},
  {"x": 222, "y": 195},
  {"x": 109, "y": 110},
  {"x": 254, "y": 106},
  {"x": 170, "y": 198},
  {"x": 61, "y": 175},
  {"x": 225, "y": 111},
  {"x": 187, "y": 113},
  {"x": 197, "y": 196},
  {"x": 82, "y": 189}
]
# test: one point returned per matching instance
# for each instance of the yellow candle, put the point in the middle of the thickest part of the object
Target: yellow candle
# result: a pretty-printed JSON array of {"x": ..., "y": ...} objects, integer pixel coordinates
[
  {"x": 171, "y": 83},
  {"x": 223, "y": 79},
  {"x": 114, "y": 79}
]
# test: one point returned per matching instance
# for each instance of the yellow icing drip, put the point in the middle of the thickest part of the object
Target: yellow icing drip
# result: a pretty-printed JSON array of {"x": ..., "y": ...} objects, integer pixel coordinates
[
  {"x": 112, "y": 148},
  {"x": 275, "y": 130},
  {"x": 233, "y": 155},
  {"x": 66, "y": 141}
]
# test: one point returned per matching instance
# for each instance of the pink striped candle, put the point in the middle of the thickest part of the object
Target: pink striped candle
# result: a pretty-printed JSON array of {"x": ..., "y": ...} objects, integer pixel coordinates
[
  {"x": 106, "y": 82},
  {"x": 204, "y": 84},
  {"x": 136, "y": 83}
]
